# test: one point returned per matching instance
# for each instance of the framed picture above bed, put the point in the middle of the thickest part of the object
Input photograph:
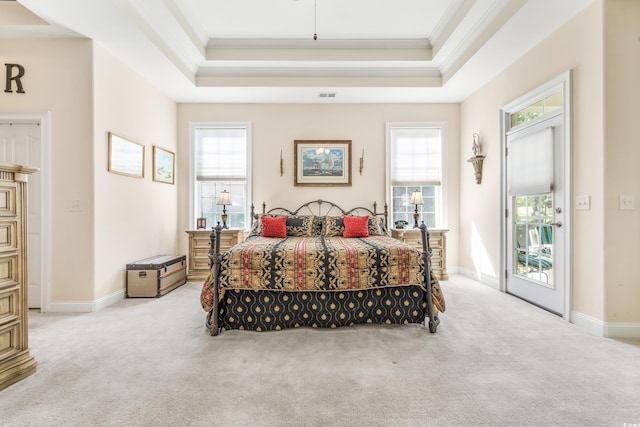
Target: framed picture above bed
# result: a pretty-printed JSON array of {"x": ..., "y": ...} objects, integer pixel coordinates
[{"x": 322, "y": 163}]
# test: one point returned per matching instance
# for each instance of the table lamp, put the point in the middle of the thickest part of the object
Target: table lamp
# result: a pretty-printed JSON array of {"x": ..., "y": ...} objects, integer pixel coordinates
[
  {"x": 416, "y": 199},
  {"x": 224, "y": 200}
]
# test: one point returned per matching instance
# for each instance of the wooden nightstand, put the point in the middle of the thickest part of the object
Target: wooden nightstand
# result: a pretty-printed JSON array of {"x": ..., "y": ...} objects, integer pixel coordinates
[
  {"x": 437, "y": 241},
  {"x": 199, "y": 243}
]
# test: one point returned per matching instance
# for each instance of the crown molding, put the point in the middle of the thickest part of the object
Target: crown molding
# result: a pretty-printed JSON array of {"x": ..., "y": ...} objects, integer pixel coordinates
[
  {"x": 320, "y": 71},
  {"x": 318, "y": 44}
]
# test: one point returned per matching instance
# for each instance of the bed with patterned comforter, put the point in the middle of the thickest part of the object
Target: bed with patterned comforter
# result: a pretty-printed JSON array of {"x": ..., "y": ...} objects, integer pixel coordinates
[{"x": 320, "y": 280}]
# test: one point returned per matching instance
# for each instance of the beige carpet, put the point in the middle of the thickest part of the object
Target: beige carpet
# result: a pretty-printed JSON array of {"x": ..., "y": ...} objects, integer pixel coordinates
[{"x": 495, "y": 361}]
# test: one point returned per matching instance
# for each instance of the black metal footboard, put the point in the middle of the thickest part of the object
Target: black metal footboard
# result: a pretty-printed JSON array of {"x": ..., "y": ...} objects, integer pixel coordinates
[
  {"x": 426, "y": 257},
  {"x": 215, "y": 258}
]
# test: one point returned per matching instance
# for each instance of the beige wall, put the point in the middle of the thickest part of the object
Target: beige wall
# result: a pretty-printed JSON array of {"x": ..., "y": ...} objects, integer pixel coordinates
[
  {"x": 576, "y": 46},
  {"x": 121, "y": 219},
  {"x": 58, "y": 79},
  {"x": 134, "y": 218},
  {"x": 622, "y": 151},
  {"x": 276, "y": 126}
]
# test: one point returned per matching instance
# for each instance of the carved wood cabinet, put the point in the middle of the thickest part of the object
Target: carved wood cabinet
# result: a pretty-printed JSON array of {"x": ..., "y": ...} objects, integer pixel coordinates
[
  {"x": 199, "y": 243},
  {"x": 16, "y": 362},
  {"x": 438, "y": 243}
]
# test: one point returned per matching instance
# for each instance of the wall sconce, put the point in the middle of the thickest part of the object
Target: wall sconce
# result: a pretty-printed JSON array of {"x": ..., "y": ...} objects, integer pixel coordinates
[
  {"x": 416, "y": 199},
  {"x": 281, "y": 164},
  {"x": 224, "y": 200},
  {"x": 362, "y": 162},
  {"x": 477, "y": 158}
]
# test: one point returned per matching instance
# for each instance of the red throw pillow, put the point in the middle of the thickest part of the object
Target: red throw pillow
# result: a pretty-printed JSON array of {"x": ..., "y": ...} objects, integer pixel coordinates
[
  {"x": 356, "y": 226},
  {"x": 274, "y": 226}
]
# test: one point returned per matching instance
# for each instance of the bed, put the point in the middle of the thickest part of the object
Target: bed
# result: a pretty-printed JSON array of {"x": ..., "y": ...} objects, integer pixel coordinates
[{"x": 319, "y": 266}]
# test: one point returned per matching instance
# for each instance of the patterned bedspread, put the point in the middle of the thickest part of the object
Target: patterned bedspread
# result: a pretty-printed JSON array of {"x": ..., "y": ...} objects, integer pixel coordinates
[{"x": 320, "y": 264}]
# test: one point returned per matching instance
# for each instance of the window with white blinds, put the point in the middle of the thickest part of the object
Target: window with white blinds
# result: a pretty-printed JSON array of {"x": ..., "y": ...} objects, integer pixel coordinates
[
  {"x": 221, "y": 162},
  {"x": 416, "y": 156},
  {"x": 221, "y": 154},
  {"x": 415, "y": 163}
]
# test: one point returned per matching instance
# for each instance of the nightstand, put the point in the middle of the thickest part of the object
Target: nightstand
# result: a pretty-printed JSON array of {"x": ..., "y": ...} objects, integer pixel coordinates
[
  {"x": 199, "y": 243},
  {"x": 437, "y": 241}
]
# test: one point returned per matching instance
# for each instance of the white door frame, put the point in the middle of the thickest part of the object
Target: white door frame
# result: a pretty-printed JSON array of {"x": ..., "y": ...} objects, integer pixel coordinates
[
  {"x": 563, "y": 82},
  {"x": 45, "y": 197}
]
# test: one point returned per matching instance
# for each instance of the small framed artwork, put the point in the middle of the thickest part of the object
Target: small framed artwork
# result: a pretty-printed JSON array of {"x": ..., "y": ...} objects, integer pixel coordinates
[
  {"x": 125, "y": 157},
  {"x": 322, "y": 163},
  {"x": 163, "y": 165}
]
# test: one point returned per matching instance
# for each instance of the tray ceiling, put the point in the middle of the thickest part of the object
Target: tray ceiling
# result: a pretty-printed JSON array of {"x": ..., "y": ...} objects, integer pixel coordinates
[{"x": 264, "y": 50}]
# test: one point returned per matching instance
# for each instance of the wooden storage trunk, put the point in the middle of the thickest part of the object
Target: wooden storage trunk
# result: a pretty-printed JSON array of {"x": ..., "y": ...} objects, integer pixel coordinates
[{"x": 155, "y": 276}]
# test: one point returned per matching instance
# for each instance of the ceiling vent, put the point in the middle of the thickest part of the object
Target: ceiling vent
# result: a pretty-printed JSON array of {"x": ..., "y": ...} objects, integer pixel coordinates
[{"x": 327, "y": 94}]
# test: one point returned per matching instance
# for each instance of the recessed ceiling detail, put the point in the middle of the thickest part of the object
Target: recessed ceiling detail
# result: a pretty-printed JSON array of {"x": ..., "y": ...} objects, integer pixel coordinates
[{"x": 244, "y": 50}]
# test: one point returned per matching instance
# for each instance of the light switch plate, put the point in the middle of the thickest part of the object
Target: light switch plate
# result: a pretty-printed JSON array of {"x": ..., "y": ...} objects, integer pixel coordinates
[
  {"x": 627, "y": 203},
  {"x": 75, "y": 205},
  {"x": 583, "y": 203}
]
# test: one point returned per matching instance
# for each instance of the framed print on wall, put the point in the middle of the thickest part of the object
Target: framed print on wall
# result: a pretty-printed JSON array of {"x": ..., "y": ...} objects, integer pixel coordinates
[
  {"x": 322, "y": 163},
  {"x": 125, "y": 157},
  {"x": 163, "y": 165}
]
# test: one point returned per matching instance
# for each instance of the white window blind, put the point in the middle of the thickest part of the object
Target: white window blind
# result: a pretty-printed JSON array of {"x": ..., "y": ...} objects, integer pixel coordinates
[
  {"x": 221, "y": 154},
  {"x": 416, "y": 156},
  {"x": 530, "y": 161}
]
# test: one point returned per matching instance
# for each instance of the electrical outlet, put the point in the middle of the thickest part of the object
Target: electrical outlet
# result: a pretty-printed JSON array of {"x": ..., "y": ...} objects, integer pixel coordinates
[
  {"x": 627, "y": 203},
  {"x": 583, "y": 203}
]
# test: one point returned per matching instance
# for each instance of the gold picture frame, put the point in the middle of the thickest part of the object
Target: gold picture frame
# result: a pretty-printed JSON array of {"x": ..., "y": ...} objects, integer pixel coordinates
[
  {"x": 164, "y": 165},
  {"x": 125, "y": 156},
  {"x": 322, "y": 163}
]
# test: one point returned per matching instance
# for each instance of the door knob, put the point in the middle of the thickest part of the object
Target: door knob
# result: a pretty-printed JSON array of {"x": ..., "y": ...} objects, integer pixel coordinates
[{"x": 557, "y": 224}]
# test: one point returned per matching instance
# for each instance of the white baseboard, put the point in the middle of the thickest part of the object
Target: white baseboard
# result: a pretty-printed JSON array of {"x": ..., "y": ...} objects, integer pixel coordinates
[
  {"x": 108, "y": 300},
  {"x": 588, "y": 323},
  {"x": 86, "y": 306},
  {"x": 622, "y": 330},
  {"x": 490, "y": 281},
  {"x": 605, "y": 329}
]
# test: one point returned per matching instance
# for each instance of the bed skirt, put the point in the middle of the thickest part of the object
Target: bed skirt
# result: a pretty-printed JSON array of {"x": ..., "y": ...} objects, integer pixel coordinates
[{"x": 268, "y": 310}]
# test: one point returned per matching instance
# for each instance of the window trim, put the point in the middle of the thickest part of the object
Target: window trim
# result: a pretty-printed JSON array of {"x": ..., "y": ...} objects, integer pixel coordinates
[
  {"x": 441, "y": 209},
  {"x": 192, "y": 163}
]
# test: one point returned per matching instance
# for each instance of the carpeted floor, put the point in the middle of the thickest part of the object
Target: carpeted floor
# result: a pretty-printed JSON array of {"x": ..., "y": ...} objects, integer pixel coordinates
[{"x": 495, "y": 361}]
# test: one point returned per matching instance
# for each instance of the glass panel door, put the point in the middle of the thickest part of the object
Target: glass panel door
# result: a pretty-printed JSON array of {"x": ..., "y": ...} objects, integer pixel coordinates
[{"x": 533, "y": 238}]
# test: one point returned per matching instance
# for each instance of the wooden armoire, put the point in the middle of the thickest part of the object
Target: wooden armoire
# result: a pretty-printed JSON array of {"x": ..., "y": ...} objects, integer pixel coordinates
[{"x": 16, "y": 362}]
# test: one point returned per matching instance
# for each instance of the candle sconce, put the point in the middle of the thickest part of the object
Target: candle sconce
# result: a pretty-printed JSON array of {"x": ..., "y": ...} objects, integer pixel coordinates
[
  {"x": 362, "y": 162},
  {"x": 477, "y": 158},
  {"x": 281, "y": 164}
]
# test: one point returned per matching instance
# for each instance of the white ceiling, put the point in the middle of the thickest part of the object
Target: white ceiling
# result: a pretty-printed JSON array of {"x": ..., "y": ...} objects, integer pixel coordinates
[{"x": 264, "y": 51}]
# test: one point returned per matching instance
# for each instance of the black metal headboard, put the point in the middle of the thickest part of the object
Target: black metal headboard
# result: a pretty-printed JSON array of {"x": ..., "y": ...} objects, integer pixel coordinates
[{"x": 322, "y": 207}]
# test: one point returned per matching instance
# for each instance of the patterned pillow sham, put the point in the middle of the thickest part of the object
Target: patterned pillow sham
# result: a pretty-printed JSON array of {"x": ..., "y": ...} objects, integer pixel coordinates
[
  {"x": 256, "y": 227},
  {"x": 376, "y": 226},
  {"x": 301, "y": 225},
  {"x": 333, "y": 226}
]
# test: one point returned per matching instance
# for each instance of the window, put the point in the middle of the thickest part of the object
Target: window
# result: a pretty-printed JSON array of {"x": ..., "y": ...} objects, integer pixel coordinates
[
  {"x": 547, "y": 105},
  {"x": 415, "y": 163},
  {"x": 221, "y": 161}
]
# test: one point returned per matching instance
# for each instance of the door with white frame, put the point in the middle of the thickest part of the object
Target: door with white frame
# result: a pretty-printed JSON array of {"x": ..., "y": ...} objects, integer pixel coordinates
[
  {"x": 535, "y": 197},
  {"x": 20, "y": 143}
]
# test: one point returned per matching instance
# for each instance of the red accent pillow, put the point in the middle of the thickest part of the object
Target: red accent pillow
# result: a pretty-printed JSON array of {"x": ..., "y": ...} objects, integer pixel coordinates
[
  {"x": 356, "y": 226},
  {"x": 274, "y": 226}
]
